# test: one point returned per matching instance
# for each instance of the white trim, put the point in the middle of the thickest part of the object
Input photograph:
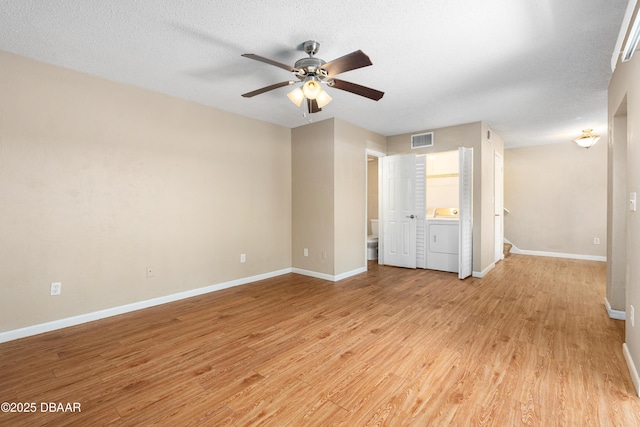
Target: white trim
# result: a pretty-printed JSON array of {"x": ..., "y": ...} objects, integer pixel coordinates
[
  {"x": 369, "y": 152},
  {"x": 329, "y": 277},
  {"x": 315, "y": 274},
  {"x": 614, "y": 314},
  {"x": 350, "y": 273},
  {"x": 516, "y": 250},
  {"x": 498, "y": 190},
  {"x": 481, "y": 274},
  {"x": 374, "y": 152},
  {"x": 564, "y": 255},
  {"x": 632, "y": 368},
  {"x": 114, "y": 311}
]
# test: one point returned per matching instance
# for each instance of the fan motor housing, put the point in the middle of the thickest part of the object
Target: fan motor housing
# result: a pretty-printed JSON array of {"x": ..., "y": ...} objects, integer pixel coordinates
[{"x": 310, "y": 66}]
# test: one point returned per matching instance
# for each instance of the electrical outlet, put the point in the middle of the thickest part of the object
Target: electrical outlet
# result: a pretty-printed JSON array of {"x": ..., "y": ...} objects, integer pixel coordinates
[
  {"x": 632, "y": 314},
  {"x": 149, "y": 271},
  {"x": 596, "y": 241},
  {"x": 243, "y": 257},
  {"x": 306, "y": 252},
  {"x": 56, "y": 288}
]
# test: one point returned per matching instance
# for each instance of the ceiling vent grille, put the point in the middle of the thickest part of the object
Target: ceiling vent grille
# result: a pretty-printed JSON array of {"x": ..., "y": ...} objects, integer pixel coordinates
[{"x": 422, "y": 140}]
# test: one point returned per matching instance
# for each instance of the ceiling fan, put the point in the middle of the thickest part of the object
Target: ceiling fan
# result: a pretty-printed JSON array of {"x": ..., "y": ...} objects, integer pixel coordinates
[{"x": 313, "y": 72}]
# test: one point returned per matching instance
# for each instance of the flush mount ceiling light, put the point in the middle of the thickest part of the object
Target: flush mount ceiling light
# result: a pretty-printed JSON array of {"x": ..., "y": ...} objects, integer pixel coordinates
[
  {"x": 314, "y": 72},
  {"x": 587, "y": 139}
]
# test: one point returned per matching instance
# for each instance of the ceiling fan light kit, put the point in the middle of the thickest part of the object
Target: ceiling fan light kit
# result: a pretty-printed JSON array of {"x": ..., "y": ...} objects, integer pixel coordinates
[
  {"x": 323, "y": 99},
  {"x": 313, "y": 73},
  {"x": 311, "y": 88},
  {"x": 296, "y": 96}
]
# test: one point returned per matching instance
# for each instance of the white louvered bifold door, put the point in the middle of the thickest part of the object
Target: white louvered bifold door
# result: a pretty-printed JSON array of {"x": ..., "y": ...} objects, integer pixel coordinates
[
  {"x": 465, "y": 194},
  {"x": 421, "y": 211}
]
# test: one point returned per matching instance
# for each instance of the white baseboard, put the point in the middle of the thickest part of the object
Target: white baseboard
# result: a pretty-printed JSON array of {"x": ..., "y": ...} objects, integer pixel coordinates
[
  {"x": 614, "y": 314},
  {"x": 350, "y": 273},
  {"x": 564, "y": 255},
  {"x": 114, "y": 311},
  {"x": 481, "y": 274},
  {"x": 328, "y": 277},
  {"x": 632, "y": 368},
  {"x": 315, "y": 274},
  {"x": 516, "y": 250}
]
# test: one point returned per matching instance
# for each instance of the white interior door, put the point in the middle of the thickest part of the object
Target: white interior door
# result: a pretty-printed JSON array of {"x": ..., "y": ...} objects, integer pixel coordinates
[
  {"x": 498, "y": 207},
  {"x": 398, "y": 210},
  {"x": 465, "y": 194}
]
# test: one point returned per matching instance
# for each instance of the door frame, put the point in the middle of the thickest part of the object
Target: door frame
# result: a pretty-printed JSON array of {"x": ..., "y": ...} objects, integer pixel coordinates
[
  {"x": 379, "y": 154},
  {"x": 498, "y": 210}
]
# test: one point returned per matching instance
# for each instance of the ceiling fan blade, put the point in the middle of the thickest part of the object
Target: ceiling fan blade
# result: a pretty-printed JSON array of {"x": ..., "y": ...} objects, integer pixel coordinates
[
  {"x": 267, "y": 88},
  {"x": 312, "y": 105},
  {"x": 351, "y": 61},
  {"x": 367, "y": 92},
  {"x": 270, "y": 61}
]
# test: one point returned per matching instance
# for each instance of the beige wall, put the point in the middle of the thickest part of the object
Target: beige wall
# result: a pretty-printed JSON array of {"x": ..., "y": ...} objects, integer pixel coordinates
[
  {"x": 624, "y": 97},
  {"x": 351, "y": 143},
  {"x": 471, "y": 135},
  {"x": 445, "y": 139},
  {"x": 99, "y": 180},
  {"x": 329, "y": 193},
  {"x": 557, "y": 195},
  {"x": 312, "y": 157}
]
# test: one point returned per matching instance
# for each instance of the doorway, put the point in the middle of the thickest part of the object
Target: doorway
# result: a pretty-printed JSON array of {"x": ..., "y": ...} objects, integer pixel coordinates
[
  {"x": 617, "y": 202},
  {"x": 403, "y": 214},
  {"x": 498, "y": 207},
  {"x": 372, "y": 202}
]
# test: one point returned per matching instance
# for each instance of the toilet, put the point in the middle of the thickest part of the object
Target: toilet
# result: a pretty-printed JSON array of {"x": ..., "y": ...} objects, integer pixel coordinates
[{"x": 372, "y": 241}]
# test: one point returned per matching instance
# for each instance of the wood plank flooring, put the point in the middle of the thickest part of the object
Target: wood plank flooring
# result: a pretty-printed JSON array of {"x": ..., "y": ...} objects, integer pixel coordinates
[{"x": 529, "y": 344}]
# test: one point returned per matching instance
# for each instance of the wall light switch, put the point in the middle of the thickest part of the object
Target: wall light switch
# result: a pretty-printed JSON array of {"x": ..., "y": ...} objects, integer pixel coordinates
[
  {"x": 306, "y": 252},
  {"x": 632, "y": 202}
]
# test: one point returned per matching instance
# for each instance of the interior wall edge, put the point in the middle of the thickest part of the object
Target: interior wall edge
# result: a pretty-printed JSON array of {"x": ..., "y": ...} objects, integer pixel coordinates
[
  {"x": 635, "y": 378},
  {"x": 614, "y": 314},
  {"x": 481, "y": 274}
]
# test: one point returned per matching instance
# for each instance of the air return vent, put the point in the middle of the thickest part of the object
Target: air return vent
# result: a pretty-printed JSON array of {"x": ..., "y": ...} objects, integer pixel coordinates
[{"x": 422, "y": 140}]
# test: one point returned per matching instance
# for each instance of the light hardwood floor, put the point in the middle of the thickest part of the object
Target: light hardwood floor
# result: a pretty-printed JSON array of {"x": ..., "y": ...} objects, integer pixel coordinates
[{"x": 529, "y": 344}]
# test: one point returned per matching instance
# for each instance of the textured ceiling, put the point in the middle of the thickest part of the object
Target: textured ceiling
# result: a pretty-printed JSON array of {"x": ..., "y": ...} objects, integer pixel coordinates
[{"x": 536, "y": 71}]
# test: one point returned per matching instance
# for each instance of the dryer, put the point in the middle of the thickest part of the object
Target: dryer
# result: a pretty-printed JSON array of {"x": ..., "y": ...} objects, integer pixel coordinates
[{"x": 442, "y": 236}]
